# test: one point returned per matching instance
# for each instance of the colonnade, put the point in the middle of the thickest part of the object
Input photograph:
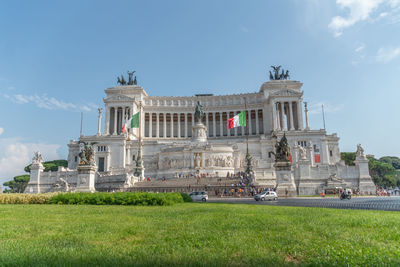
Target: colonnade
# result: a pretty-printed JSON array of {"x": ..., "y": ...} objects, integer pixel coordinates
[
  {"x": 179, "y": 125},
  {"x": 287, "y": 115},
  {"x": 115, "y": 118}
]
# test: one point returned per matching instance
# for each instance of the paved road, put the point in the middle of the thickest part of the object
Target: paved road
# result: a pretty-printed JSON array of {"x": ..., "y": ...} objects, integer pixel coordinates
[{"x": 364, "y": 203}]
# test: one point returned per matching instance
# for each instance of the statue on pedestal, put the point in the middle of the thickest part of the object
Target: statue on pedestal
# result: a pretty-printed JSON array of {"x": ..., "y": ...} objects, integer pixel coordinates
[
  {"x": 360, "y": 152},
  {"x": 199, "y": 113},
  {"x": 282, "y": 150},
  {"x": 37, "y": 158}
]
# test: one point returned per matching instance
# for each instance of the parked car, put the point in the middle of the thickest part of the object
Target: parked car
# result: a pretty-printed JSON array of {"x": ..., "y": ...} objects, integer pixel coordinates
[
  {"x": 199, "y": 196},
  {"x": 266, "y": 195}
]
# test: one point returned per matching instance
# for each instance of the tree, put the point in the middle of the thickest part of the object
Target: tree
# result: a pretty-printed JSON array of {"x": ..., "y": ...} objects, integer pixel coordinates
[
  {"x": 383, "y": 171},
  {"x": 18, "y": 184},
  {"x": 348, "y": 157},
  {"x": 50, "y": 165},
  {"x": 383, "y": 174},
  {"x": 394, "y": 161}
]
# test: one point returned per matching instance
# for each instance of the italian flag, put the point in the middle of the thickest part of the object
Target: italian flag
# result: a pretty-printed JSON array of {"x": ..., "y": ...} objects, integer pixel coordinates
[
  {"x": 131, "y": 123},
  {"x": 238, "y": 120}
]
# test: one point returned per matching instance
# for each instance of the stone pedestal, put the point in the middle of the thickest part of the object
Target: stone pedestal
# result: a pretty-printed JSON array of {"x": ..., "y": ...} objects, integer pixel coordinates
[
  {"x": 365, "y": 183},
  {"x": 33, "y": 186},
  {"x": 284, "y": 179},
  {"x": 86, "y": 178},
  {"x": 306, "y": 187},
  {"x": 199, "y": 132}
]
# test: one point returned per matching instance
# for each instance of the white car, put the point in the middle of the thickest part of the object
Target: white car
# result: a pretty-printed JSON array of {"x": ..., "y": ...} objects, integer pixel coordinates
[
  {"x": 266, "y": 195},
  {"x": 199, "y": 196}
]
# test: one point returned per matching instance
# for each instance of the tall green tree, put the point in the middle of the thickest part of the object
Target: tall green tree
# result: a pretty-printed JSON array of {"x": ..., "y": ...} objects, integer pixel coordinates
[
  {"x": 18, "y": 184},
  {"x": 394, "y": 161}
]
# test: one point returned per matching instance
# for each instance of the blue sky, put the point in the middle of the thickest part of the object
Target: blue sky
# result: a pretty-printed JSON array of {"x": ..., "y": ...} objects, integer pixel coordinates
[{"x": 56, "y": 59}]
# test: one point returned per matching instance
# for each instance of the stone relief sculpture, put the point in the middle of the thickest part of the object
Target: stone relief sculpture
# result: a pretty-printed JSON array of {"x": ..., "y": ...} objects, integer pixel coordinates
[
  {"x": 37, "y": 158},
  {"x": 302, "y": 153},
  {"x": 61, "y": 186},
  {"x": 333, "y": 179}
]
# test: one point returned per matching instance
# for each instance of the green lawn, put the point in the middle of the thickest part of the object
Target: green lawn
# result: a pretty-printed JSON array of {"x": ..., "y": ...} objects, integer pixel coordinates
[{"x": 196, "y": 235}]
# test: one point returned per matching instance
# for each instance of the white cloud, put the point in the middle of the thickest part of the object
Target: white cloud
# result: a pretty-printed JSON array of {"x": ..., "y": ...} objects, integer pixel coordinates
[
  {"x": 328, "y": 108},
  {"x": 49, "y": 103},
  {"x": 359, "y": 10},
  {"x": 360, "y": 48},
  {"x": 388, "y": 53},
  {"x": 1, "y": 131},
  {"x": 15, "y": 155}
]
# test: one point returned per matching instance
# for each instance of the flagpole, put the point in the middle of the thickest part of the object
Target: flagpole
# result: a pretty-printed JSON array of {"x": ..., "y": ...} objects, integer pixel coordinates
[
  {"x": 249, "y": 168},
  {"x": 247, "y": 129},
  {"x": 81, "y": 123},
  {"x": 139, "y": 162},
  {"x": 323, "y": 116}
]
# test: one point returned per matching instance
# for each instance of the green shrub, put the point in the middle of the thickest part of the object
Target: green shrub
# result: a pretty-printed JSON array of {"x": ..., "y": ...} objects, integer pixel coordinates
[
  {"x": 186, "y": 197},
  {"x": 119, "y": 198},
  {"x": 25, "y": 198}
]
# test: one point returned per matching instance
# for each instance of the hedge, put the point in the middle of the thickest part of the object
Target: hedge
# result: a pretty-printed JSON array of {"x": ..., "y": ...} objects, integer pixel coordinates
[
  {"x": 118, "y": 198},
  {"x": 16, "y": 198}
]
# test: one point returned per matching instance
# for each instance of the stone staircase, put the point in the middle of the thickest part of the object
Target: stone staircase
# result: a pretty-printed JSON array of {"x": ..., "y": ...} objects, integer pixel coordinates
[{"x": 185, "y": 182}]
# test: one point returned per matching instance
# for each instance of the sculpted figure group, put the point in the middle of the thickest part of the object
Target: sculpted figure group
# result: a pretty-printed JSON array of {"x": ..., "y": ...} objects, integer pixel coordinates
[
  {"x": 37, "y": 158},
  {"x": 87, "y": 154},
  {"x": 121, "y": 80},
  {"x": 278, "y": 76}
]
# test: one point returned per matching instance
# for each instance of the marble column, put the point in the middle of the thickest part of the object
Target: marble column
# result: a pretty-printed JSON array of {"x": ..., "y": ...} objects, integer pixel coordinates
[
  {"x": 228, "y": 131},
  {"x": 300, "y": 116},
  {"x": 122, "y": 117},
  {"x": 274, "y": 121},
  {"x": 283, "y": 125},
  {"x": 186, "y": 125},
  {"x": 236, "y": 128},
  {"x": 165, "y": 125},
  {"x": 128, "y": 156},
  {"x": 115, "y": 121},
  {"x": 250, "y": 128},
  {"x": 150, "y": 124},
  {"x": 306, "y": 113},
  {"x": 214, "y": 125},
  {"x": 179, "y": 125},
  {"x": 221, "y": 125},
  {"x": 257, "y": 123},
  {"x": 172, "y": 124},
  {"x": 291, "y": 116},
  {"x": 157, "y": 125},
  {"x": 208, "y": 132},
  {"x": 107, "y": 126}
]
